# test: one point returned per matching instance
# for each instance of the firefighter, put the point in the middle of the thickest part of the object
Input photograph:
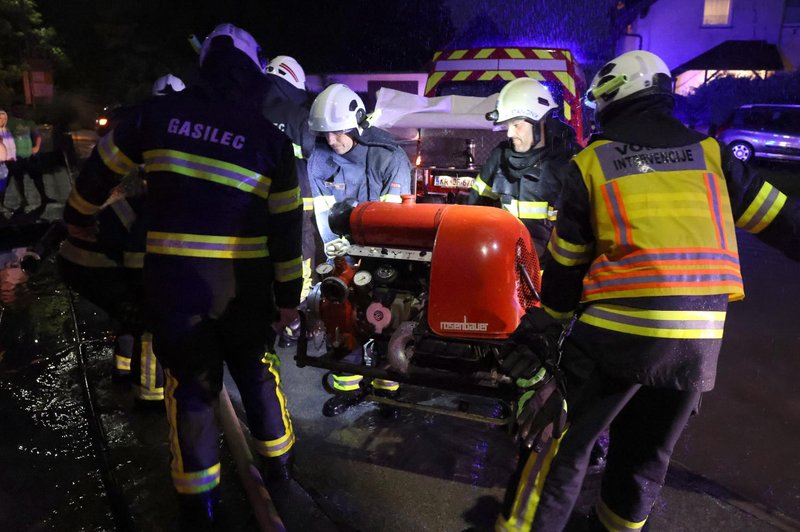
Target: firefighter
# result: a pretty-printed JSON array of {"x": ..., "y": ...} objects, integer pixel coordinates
[
  {"x": 286, "y": 105},
  {"x": 645, "y": 248},
  {"x": 121, "y": 236},
  {"x": 353, "y": 162},
  {"x": 223, "y": 262},
  {"x": 523, "y": 174},
  {"x": 86, "y": 268}
]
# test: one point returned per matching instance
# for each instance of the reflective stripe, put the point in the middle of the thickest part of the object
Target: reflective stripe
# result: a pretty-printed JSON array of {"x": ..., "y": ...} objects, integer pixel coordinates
[
  {"x": 306, "y": 279},
  {"x": 529, "y": 490},
  {"x": 133, "y": 259},
  {"x": 619, "y": 218},
  {"x": 284, "y": 201},
  {"x": 679, "y": 271},
  {"x": 124, "y": 212},
  {"x": 389, "y": 386},
  {"x": 86, "y": 258},
  {"x": 391, "y": 198},
  {"x": 208, "y": 246},
  {"x": 483, "y": 189},
  {"x": 282, "y": 445},
  {"x": 149, "y": 394},
  {"x": 289, "y": 270},
  {"x": 148, "y": 369},
  {"x": 273, "y": 448},
  {"x": 762, "y": 210},
  {"x": 533, "y": 210},
  {"x": 569, "y": 254},
  {"x": 346, "y": 383},
  {"x": 77, "y": 202},
  {"x": 194, "y": 482},
  {"x": 122, "y": 363},
  {"x": 112, "y": 156},
  {"x": 614, "y": 522},
  {"x": 527, "y": 210},
  {"x": 197, "y": 481},
  {"x": 676, "y": 324},
  {"x": 171, "y": 404},
  {"x": 207, "y": 169},
  {"x": 714, "y": 201},
  {"x": 558, "y": 315},
  {"x": 298, "y": 151},
  {"x": 308, "y": 204}
]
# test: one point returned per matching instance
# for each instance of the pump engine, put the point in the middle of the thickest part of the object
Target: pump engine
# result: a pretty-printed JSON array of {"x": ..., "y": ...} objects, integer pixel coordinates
[{"x": 433, "y": 288}]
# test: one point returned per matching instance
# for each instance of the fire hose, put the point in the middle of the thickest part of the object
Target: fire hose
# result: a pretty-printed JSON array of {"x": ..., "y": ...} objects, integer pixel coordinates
[{"x": 265, "y": 513}]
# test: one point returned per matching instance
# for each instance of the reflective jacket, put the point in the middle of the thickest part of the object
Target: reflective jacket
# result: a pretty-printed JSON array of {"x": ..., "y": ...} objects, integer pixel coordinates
[
  {"x": 287, "y": 107},
  {"x": 221, "y": 184},
  {"x": 645, "y": 247},
  {"x": 527, "y": 185},
  {"x": 376, "y": 169},
  {"x": 121, "y": 231}
]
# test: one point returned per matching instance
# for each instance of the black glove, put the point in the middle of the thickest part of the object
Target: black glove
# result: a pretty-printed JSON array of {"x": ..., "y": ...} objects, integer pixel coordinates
[
  {"x": 532, "y": 345},
  {"x": 541, "y": 413},
  {"x": 530, "y": 356}
]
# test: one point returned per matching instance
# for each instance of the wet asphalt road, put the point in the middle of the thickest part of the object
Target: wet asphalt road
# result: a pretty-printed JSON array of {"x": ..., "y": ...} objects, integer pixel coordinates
[{"x": 736, "y": 468}]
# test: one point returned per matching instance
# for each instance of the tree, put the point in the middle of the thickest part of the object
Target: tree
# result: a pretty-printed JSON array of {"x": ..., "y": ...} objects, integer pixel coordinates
[{"x": 23, "y": 36}]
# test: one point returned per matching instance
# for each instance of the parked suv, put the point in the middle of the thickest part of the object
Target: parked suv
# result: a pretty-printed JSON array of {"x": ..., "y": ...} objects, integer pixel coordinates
[{"x": 766, "y": 131}]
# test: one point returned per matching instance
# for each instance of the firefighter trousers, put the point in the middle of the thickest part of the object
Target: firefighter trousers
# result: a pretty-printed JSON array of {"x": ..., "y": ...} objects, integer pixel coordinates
[
  {"x": 207, "y": 312},
  {"x": 111, "y": 290},
  {"x": 645, "y": 424}
]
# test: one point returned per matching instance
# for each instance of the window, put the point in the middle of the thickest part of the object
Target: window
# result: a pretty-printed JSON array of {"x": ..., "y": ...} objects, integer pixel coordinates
[
  {"x": 791, "y": 16},
  {"x": 717, "y": 13}
]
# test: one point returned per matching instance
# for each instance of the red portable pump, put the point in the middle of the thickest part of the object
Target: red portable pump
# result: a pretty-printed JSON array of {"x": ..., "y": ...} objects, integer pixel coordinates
[{"x": 435, "y": 288}]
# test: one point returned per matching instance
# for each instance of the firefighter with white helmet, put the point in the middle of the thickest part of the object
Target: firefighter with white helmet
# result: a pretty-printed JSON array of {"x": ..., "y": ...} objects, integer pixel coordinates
[
  {"x": 523, "y": 173},
  {"x": 222, "y": 260},
  {"x": 288, "y": 68},
  {"x": 351, "y": 162},
  {"x": 286, "y": 105},
  {"x": 644, "y": 255},
  {"x": 167, "y": 84}
]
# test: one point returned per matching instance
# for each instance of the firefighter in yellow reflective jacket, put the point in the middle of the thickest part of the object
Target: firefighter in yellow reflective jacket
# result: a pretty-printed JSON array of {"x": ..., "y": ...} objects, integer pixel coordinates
[
  {"x": 645, "y": 249},
  {"x": 223, "y": 262},
  {"x": 523, "y": 174},
  {"x": 352, "y": 162}
]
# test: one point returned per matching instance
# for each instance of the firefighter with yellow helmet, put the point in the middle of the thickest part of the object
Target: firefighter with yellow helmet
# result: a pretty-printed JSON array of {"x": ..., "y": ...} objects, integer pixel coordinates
[
  {"x": 523, "y": 174},
  {"x": 645, "y": 251}
]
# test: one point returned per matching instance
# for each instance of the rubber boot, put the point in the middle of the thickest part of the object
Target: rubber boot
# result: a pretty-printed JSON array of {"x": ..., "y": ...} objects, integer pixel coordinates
[
  {"x": 278, "y": 468},
  {"x": 342, "y": 402},
  {"x": 198, "y": 511},
  {"x": 387, "y": 411}
]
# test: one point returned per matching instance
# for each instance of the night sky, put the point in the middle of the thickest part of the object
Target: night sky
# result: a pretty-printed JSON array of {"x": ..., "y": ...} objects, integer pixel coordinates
[{"x": 115, "y": 47}]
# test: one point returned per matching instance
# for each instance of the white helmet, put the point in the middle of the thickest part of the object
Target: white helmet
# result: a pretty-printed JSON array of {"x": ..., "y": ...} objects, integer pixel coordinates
[
  {"x": 522, "y": 98},
  {"x": 167, "y": 85},
  {"x": 242, "y": 41},
  {"x": 289, "y": 69},
  {"x": 633, "y": 74},
  {"x": 337, "y": 108}
]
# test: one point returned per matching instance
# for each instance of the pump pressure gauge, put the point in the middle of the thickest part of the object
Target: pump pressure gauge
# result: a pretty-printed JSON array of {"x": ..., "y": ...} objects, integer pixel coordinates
[
  {"x": 362, "y": 278},
  {"x": 324, "y": 269}
]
